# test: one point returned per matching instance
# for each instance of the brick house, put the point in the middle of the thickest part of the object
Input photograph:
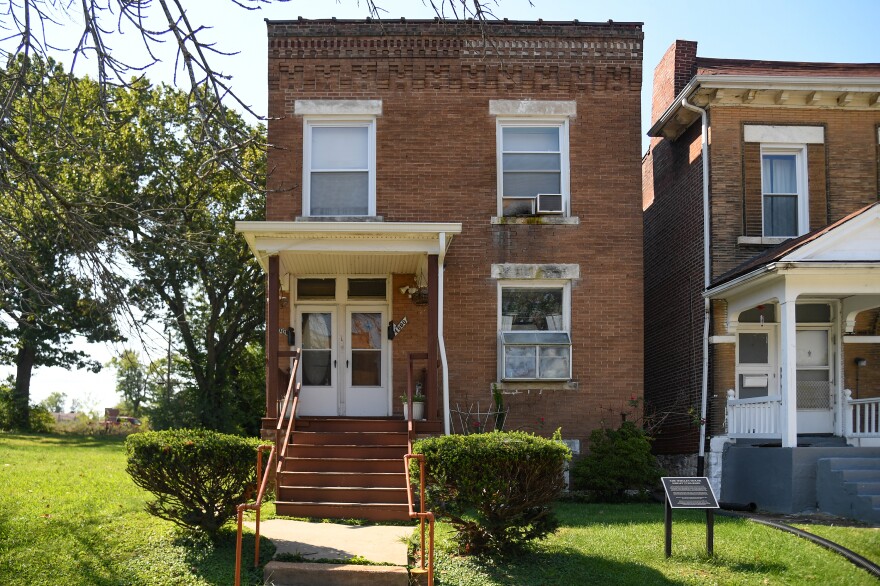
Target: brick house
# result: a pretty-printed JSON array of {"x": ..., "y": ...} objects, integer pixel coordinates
[
  {"x": 476, "y": 189},
  {"x": 781, "y": 159}
]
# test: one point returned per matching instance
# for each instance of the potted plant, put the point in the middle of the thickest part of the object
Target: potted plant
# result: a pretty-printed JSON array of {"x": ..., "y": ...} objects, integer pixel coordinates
[{"x": 418, "y": 404}]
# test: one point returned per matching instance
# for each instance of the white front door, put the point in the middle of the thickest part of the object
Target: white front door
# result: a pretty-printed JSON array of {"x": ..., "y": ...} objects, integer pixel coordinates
[
  {"x": 344, "y": 369},
  {"x": 814, "y": 381},
  {"x": 317, "y": 331},
  {"x": 366, "y": 371}
]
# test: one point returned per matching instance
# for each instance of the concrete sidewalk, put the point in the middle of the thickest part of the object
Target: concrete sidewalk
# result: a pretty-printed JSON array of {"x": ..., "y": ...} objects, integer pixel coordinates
[{"x": 377, "y": 543}]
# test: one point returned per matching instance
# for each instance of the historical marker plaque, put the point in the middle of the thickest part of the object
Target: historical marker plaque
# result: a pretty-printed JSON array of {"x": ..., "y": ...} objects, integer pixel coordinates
[{"x": 689, "y": 492}]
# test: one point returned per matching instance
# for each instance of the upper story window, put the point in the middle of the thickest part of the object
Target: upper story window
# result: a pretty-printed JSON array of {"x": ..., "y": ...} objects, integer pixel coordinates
[
  {"x": 534, "y": 326},
  {"x": 532, "y": 167},
  {"x": 339, "y": 168},
  {"x": 784, "y": 191},
  {"x": 339, "y": 156},
  {"x": 531, "y": 142}
]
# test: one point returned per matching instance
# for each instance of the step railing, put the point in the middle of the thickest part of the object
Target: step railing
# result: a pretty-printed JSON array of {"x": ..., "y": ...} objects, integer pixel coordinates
[
  {"x": 423, "y": 516},
  {"x": 861, "y": 416},
  {"x": 758, "y": 417},
  {"x": 291, "y": 397}
]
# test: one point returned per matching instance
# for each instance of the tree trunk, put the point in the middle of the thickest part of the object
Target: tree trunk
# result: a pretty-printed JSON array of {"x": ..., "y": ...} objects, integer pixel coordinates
[{"x": 24, "y": 364}]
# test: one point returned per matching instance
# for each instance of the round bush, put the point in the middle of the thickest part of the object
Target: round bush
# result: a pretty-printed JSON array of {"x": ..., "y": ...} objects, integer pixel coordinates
[
  {"x": 619, "y": 460},
  {"x": 197, "y": 476},
  {"x": 495, "y": 488}
]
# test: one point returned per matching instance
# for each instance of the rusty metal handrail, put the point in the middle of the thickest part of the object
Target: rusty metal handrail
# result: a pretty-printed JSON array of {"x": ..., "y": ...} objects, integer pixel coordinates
[
  {"x": 422, "y": 515},
  {"x": 293, "y": 388}
]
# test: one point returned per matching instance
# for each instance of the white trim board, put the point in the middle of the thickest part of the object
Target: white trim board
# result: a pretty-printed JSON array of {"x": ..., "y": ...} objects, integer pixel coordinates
[{"x": 784, "y": 134}]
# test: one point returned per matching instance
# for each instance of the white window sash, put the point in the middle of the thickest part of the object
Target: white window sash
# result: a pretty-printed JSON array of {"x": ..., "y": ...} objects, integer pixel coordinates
[
  {"x": 801, "y": 174},
  {"x": 564, "y": 179},
  {"x": 368, "y": 122}
]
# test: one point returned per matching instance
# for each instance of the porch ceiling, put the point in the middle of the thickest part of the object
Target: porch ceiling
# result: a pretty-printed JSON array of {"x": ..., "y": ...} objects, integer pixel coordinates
[{"x": 367, "y": 248}]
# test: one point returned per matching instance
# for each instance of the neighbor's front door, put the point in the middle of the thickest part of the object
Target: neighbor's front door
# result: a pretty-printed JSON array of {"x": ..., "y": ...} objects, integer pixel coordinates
[{"x": 814, "y": 381}]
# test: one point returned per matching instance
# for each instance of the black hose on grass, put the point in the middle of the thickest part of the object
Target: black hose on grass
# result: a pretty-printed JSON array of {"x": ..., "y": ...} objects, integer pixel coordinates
[{"x": 850, "y": 555}]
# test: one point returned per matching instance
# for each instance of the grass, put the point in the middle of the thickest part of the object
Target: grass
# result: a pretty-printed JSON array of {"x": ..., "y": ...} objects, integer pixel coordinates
[
  {"x": 69, "y": 514},
  {"x": 623, "y": 544},
  {"x": 864, "y": 541}
]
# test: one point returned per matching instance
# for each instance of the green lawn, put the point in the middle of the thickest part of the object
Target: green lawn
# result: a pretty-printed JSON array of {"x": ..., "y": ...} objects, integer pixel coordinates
[
  {"x": 623, "y": 544},
  {"x": 69, "y": 514}
]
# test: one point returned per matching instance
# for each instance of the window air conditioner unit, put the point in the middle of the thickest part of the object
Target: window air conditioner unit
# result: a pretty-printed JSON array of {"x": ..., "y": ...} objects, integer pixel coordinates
[{"x": 550, "y": 203}]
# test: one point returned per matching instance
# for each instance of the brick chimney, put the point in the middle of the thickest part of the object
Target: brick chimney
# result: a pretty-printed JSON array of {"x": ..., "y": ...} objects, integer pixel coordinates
[{"x": 674, "y": 71}]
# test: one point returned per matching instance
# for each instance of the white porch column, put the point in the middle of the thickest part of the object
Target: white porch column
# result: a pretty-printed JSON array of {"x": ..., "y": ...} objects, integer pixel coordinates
[{"x": 788, "y": 368}]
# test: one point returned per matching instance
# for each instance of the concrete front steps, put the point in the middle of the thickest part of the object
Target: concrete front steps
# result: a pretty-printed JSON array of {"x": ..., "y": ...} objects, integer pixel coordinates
[
  {"x": 308, "y": 574},
  {"x": 345, "y": 468},
  {"x": 849, "y": 487}
]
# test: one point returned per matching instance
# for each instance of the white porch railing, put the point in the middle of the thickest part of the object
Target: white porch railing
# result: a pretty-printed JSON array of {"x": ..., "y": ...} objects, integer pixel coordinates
[
  {"x": 757, "y": 418},
  {"x": 861, "y": 416}
]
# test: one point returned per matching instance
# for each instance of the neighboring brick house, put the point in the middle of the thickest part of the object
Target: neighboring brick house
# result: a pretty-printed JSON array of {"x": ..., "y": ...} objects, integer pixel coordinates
[
  {"x": 790, "y": 279},
  {"x": 481, "y": 181}
]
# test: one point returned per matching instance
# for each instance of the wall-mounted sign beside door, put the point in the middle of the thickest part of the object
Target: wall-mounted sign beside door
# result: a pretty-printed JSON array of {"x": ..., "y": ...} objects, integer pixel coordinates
[{"x": 396, "y": 328}]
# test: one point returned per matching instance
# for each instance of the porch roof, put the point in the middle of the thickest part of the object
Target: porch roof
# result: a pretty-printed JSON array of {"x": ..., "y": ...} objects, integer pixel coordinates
[
  {"x": 854, "y": 240},
  {"x": 367, "y": 248}
]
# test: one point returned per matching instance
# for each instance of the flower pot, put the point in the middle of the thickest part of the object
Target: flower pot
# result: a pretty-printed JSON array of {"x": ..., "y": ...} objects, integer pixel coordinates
[{"x": 418, "y": 410}]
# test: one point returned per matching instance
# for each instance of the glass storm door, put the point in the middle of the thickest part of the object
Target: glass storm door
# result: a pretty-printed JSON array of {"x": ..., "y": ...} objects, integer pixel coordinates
[
  {"x": 317, "y": 333},
  {"x": 366, "y": 364},
  {"x": 814, "y": 382},
  {"x": 756, "y": 363}
]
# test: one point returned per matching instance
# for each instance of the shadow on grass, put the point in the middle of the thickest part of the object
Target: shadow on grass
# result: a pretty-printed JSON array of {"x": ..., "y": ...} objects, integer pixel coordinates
[
  {"x": 562, "y": 567},
  {"x": 62, "y": 439},
  {"x": 592, "y": 514},
  {"x": 215, "y": 562}
]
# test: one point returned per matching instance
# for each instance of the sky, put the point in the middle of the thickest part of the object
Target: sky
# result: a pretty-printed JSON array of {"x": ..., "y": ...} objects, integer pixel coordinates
[{"x": 783, "y": 30}]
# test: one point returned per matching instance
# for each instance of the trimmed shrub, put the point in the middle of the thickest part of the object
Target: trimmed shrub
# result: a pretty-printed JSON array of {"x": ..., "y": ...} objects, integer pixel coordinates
[
  {"x": 197, "y": 476},
  {"x": 495, "y": 488},
  {"x": 620, "y": 460}
]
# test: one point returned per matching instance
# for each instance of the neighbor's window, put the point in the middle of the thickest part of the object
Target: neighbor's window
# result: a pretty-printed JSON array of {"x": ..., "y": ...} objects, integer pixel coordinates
[
  {"x": 340, "y": 164},
  {"x": 532, "y": 162},
  {"x": 784, "y": 193},
  {"x": 535, "y": 341}
]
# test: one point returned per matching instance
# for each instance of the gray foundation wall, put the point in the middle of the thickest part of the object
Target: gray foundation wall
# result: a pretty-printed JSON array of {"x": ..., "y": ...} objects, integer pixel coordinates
[{"x": 781, "y": 480}]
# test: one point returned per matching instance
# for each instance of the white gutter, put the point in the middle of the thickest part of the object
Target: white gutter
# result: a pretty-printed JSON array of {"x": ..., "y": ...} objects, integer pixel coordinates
[
  {"x": 701, "y": 453},
  {"x": 441, "y": 342}
]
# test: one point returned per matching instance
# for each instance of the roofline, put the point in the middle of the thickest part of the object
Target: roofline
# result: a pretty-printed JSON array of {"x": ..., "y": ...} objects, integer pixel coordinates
[
  {"x": 452, "y": 21},
  {"x": 781, "y": 267},
  {"x": 765, "y": 82}
]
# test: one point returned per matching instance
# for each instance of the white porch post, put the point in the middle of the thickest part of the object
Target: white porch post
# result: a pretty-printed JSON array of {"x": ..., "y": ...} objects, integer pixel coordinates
[{"x": 788, "y": 368}]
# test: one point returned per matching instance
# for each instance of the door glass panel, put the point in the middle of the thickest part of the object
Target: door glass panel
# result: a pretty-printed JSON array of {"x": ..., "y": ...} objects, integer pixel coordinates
[
  {"x": 753, "y": 349},
  {"x": 812, "y": 313},
  {"x": 812, "y": 348},
  {"x": 366, "y": 349},
  {"x": 316, "y": 349}
]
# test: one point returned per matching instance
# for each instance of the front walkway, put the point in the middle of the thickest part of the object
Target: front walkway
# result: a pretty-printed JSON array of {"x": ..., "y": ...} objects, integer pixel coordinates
[{"x": 313, "y": 541}]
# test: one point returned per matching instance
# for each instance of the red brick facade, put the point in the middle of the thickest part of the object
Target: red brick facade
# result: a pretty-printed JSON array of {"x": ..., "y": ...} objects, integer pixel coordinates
[
  {"x": 842, "y": 177},
  {"x": 436, "y": 162}
]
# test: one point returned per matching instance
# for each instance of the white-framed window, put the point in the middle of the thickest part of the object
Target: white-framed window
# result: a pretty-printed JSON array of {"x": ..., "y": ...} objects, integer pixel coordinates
[
  {"x": 784, "y": 201},
  {"x": 339, "y": 167},
  {"x": 534, "y": 323},
  {"x": 533, "y": 170}
]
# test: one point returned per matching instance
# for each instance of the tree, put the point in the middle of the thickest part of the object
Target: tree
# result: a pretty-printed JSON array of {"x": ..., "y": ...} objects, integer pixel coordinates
[
  {"x": 55, "y": 402},
  {"x": 132, "y": 379},
  {"x": 47, "y": 299}
]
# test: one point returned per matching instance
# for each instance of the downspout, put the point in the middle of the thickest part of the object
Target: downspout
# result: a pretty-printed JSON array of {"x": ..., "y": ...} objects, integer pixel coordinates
[
  {"x": 701, "y": 453},
  {"x": 441, "y": 342}
]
